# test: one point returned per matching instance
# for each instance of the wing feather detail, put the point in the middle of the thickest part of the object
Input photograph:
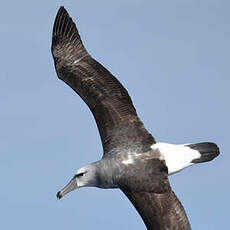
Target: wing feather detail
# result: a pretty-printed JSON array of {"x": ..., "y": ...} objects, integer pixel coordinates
[
  {"x": 151, "y": 195},
  {"x": 108, "y": 100},
  {"x": 160, "y": 211}
]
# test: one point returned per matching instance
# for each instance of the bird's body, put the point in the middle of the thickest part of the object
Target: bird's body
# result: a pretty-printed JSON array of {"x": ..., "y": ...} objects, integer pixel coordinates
[{"x": 132, "y": 160}]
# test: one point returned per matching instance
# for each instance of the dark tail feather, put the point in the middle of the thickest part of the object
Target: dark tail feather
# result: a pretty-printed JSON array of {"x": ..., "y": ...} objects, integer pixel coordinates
[{"x": 207, "y": 150}]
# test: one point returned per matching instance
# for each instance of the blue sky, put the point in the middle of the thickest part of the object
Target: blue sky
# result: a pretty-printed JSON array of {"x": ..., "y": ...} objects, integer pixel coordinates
[{"x": 172, "y": 56}]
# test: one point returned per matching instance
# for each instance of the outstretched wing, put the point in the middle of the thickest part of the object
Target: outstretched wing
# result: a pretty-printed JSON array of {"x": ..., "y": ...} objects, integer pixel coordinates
[
  {"x": 108, "y": 100},
  {"x": 151, "y": 195},
  {"x": 161, "y": 211}
]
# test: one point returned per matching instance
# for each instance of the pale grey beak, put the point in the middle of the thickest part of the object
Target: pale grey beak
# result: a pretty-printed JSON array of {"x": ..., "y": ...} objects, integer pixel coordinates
[{"x": 72, "y": 185}]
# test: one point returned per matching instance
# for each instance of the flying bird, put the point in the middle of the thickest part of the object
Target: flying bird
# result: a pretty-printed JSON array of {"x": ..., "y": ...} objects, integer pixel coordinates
[{"x": 132, "y": 160}]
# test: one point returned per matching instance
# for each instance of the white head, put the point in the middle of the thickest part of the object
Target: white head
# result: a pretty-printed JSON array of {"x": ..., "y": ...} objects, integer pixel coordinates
[{"x": 86, "y": 176}]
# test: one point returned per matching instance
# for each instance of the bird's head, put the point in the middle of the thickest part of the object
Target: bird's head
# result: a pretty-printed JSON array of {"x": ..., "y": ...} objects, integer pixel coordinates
[{"x": 85, "y": 177}]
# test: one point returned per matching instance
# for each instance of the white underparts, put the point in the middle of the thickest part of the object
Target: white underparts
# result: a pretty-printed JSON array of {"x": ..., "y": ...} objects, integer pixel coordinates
[{"x": 177, "y": 157}]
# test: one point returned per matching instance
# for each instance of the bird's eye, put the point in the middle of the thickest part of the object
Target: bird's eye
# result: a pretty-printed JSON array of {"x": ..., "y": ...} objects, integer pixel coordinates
[{"x": 80, "y": 174}]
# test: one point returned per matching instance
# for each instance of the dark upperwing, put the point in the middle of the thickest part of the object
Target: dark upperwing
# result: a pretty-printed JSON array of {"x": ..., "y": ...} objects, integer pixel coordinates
[
  {"x": 108, "y": 100},
  {"x": 119, "y": 126},
  {"x": 151, "y": 195},
  {"x": 160, "y": 211}
]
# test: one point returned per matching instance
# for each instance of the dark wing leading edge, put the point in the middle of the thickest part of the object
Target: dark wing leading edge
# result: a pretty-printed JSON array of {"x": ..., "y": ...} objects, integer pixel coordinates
[
  {"x": 151, "y": 195},
  {"x": 108, "y": 100}
]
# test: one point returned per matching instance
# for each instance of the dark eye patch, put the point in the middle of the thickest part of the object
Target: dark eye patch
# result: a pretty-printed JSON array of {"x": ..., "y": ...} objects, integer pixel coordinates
[{"x": 80, "y": 174}]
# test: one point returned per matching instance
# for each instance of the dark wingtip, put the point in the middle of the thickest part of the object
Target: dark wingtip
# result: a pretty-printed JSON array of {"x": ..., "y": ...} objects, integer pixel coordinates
[
  {"x": 66, "y": 37},
  {"x": 64, "y": 25},
  {"x": 59, "y": 195}
]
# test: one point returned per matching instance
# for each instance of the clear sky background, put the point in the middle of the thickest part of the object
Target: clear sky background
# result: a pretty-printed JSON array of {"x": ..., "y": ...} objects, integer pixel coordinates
[{"x": 172, "y": 56}]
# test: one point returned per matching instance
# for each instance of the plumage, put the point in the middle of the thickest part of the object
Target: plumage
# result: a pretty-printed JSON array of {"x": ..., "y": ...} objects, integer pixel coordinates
[
  {"x": 178, "y": 157},
  {"x": 159, "y": 210},
  {"x": 132, "y": 160},
  {"x": 108, "y": 100}
]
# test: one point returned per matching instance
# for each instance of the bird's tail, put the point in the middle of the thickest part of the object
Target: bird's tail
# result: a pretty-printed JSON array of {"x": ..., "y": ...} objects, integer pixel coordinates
[
  {"x": 208, "y": 151},
  {"x": 178, "y": 157}
]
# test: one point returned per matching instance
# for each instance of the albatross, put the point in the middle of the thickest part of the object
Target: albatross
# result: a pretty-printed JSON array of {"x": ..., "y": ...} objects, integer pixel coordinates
[{"x": 132, "y": 160}]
